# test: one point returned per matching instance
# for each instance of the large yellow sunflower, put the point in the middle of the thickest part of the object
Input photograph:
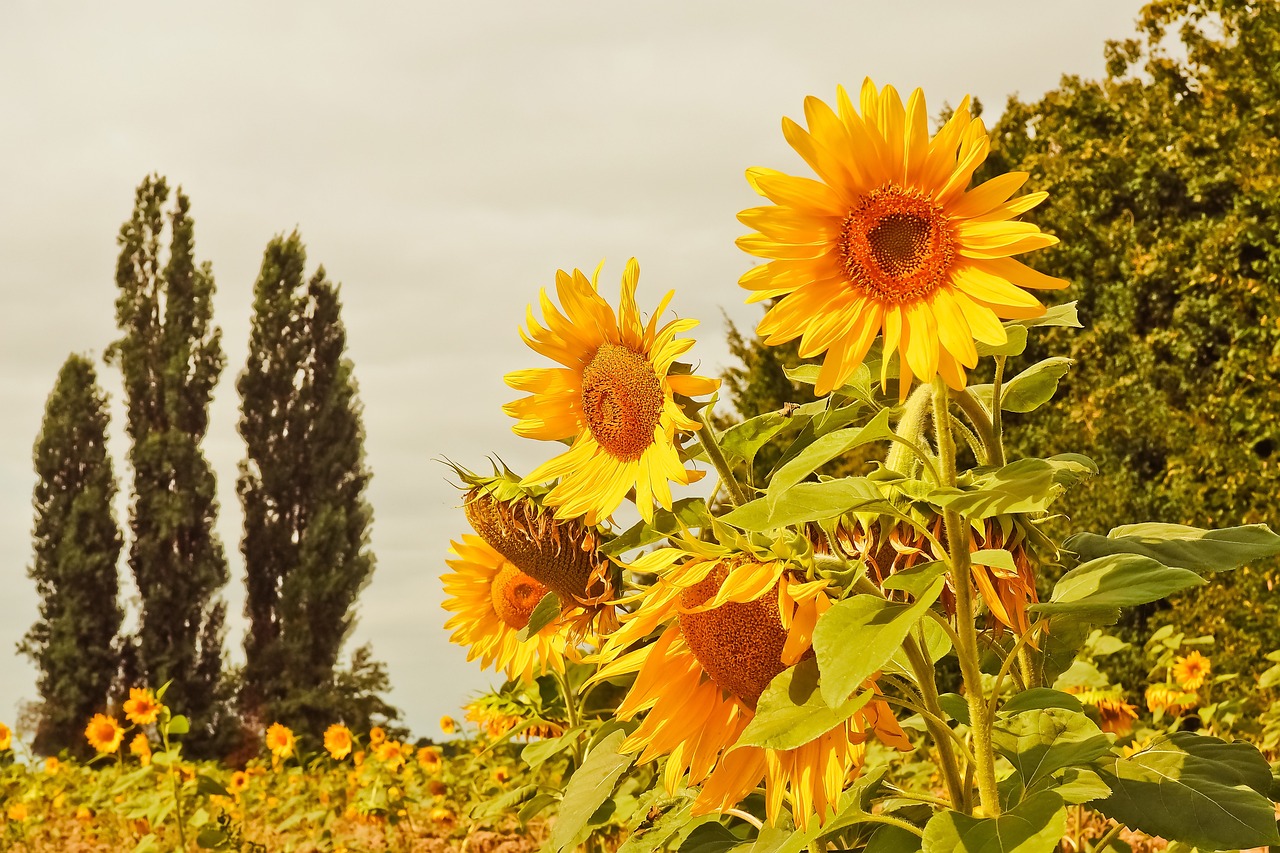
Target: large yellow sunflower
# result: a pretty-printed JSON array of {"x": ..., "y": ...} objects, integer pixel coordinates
[
  {"x": 613, "y": 398},
  {"x": 891, "y": 240},
  {"x": 492, "y": 600},
  {"x": 735, "y": 623}
]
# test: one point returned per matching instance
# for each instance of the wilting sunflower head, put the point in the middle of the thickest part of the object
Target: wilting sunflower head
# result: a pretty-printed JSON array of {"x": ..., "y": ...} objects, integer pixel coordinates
[
  {"x": 890, "y": 240},
  {"x": 614, "y": 399},
  {"x": 492, "y": 600},
  {"x": 1166, "y": 699}
]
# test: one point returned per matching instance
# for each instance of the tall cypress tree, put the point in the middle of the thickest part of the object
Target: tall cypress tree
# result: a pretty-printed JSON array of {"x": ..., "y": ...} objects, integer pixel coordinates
[
  {"x": 77, "y": 545},
  {"x": 306, "y": 541},
  {"x": 171, "y": 355}
]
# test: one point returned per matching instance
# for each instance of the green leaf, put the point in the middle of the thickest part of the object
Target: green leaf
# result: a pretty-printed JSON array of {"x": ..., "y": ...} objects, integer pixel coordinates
[
  {"x": 710, "y": 838},
  {"x": 1179, "y": 546},
  {"x": 956, "y": 707},
  {"x": 1056, "y": 315},
  {"x": 209, "y": 785},
  {"x": 1100, "y": 587},
  {"x": 806, "y": 502},
  {"x": 917, "y": 579},
  {"x": 1027, "y": 485},
  {"x": 179, "y": 725},
  {"x": 1036, "y": 825},
  {"x": 859, "y": 635},
  {"x": 1041, "y": 742},
  {"x": 1041, "y": 697},
  {"x": 1016, "y": 343},
  {"x": 588, "y": 788},
  {"x": 854, "y": 808},
  {"x": 743, "y": 441},
  {"x": 1079, "y": 785},
  {"x": 690, "y": 512},
  {"x": 534, "y": 806},
  {"x": 997, "y": 558},
  {"x": 822, "y": 451},
  {"x": 892, "y": 839},
  {"x": 1035, "y": 386},
  {"x": 539, "y": 752},
  {"x": 858, "y": 386},
  {"x": 791, "y": 711},
  {"x": 212, "y": 838},
  {"x": 544, "y": 613},
  {"x": 1196, "y": 789}
]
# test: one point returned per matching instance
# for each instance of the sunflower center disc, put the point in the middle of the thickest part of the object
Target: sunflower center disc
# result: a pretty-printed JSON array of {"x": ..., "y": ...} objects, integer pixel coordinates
[
  {"x": 514, "y": 595},
  {"x": 897, "y": 245},
  {"x": 621, "y": 400},
  {"x": 739, "y": 645}
]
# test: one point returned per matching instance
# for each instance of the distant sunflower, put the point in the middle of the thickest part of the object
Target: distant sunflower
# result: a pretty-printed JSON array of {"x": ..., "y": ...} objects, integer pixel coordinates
[
  {"x": 6, "y": 737},
  {"x": 1167, "y": 699},
  {"x": 377, "y": 735},
  {"x": 338, "y": 741},
  {"x": 1114, "y": 714},
  {"x": 1191, "y": 671},
  {"x": 734, "y": 623},
  {"x": 104, "y": 733},
  {"x": 280, "y": 740},
  {"x": 429, "y": 759},
  {"x": 141, "y": 707},
  {"x": 141, "y": 747},
  {"x": 492, "y": 601},
  {"x": 891, "y": 240},
  {"x": 614, "y": 399}
]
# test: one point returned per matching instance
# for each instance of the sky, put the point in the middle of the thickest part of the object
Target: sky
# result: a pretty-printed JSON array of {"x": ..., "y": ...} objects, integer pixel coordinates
[{"x": 442, "y": 161}]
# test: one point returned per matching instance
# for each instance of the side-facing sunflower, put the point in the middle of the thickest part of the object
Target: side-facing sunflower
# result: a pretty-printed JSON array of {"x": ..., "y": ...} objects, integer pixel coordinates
[
  {"x": 338, "y": 741},
  {"x": 614, "y": 398},
  {"x": 492, "y": 600},
  {"x": 891, "y": 240},
  {"x": 734, "y": 621}
]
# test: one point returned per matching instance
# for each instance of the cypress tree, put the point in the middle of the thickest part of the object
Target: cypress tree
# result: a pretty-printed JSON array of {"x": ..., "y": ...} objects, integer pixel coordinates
[
  {"x": 77, "y": 545},
  {"x": 306, "y": 540},
  {"x": 171, "y": 355}
]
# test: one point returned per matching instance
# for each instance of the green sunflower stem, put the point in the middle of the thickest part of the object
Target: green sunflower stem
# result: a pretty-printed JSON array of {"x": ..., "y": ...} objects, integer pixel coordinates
[
  {"x": 571, "y": 710},
  {"x": 997, "y": 433},
  {"x": 961, "y": 582},
  {"x": 910, "y": 428},
  {"x": 923, "y": 670},
  {"x": 707, "y": 438}
]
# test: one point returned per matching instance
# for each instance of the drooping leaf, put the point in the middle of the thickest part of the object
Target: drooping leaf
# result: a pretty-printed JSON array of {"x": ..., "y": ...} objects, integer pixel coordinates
[
  {"x": 791, "y": 711},
  {"x": 1035, "y": 825},
  {"x": 806, "y": 502},
  {"x": 859, "y": 635},
  {"x": 1041, "y": 697},
  {"x": 1057, "y": 315},
  {"x": 1100, "y": 587},
  {"x": 822, "y": 451},
  {"x": 588, "y": 788},
  {"x": 689, "y": 512},
  {"x": 1039, "y": 743},
  {"x": 1027, "y": 485},
  {"x": 1035, "y": 386},
  {"x": 538, "y": 752},
  {"x": 1196, "y": 789},
  {"x": 1179, "y": 546}
]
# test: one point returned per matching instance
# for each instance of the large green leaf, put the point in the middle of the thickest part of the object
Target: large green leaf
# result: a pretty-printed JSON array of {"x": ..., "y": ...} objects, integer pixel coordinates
[
  {"x": 806, "y": 502},
  {"x": 1057, "y": 315},
  {"x": 1183, "y": 547},
  {"x": 1035, "y": 386},
  {"x": 859, "y": 635},
  {"x": 1027, "y": 485},
  {"x": 588, "y": 788},
  {"x": 544, "y": 613},
  {"x": 1040, "y": 697},
  {"x": 1036, "y": 825},
  {"x": 1100, "y": 587},
  {"x": 686, "y": 512},
  {"x": 822, "y": 451},
  {"x": 857, "y": 386},
  {"x": 791, "y": 711},
  {"x": 1196, "y": 789},
  {"x": 1015, "y": 342},
  {"x": 743, "y": 441},
  {"x": 1041, "y": 742}
]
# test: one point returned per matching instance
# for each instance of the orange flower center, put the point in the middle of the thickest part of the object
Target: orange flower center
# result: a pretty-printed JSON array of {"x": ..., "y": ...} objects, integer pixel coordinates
[
  {"x": 514, "y": 595},
  {"x": 622, "y": 400},
  {"x": 739, "y": 645},
  {"x": 897, "y": 245}
]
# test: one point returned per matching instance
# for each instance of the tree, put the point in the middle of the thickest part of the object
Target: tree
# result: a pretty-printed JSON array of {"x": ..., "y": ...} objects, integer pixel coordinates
[
  {"x": 170, "y": 355},
  {"x": 302, "y": 485},
  {"x": 77, "y": 546}
]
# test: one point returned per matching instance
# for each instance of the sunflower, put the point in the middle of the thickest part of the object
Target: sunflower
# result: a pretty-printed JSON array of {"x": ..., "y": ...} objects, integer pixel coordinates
[
  {"x": 448, "y": 724},
  {"x": 337, "y": 741},
  {"x": 492, "y": 601},
  {"x": 280, "y": 740},
  {"x": 1114, "y": 714},
  {"x": 141, "y": 747},
  {"x": 1165, "y": 698},
  {"x": 1191, "y": 671},
  {"x": 104, "y": 733},
  {"x": 734, "y": 622},
  {"x": 6, "y": 737},
  {"x": 614, "y": 398},
  {"x": 429, "y": 759},
  {"x": 891, "y": 240},
  {"x": 239, "y": 781},
  {"x": 377, "y": 735},
  {"x": 391, "y": 753},
  {"x": 141, "y": 707}
]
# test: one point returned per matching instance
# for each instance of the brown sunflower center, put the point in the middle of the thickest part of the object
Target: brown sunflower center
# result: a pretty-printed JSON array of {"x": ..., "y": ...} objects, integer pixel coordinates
[
  {"x": 514, "y": 596},
  {"x": 897, "y": 245},
  {"x": 621, "y": 400},
  {"x": 739, "y": 645}
]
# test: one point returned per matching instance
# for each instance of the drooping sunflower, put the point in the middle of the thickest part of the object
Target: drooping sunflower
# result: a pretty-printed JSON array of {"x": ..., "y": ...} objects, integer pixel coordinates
[
  {"x": 614, "y": 398},
  {"x": 141, "y": 747},
  {"x": 141, "y": 707},
  {"x": 1166, "y": 699},
  {"x": 1191, "y": 671},
  {"x": 104, "y": 734},
  {"x": 492, "y": 600},
  {"x": 734, "y": 622},
  {"x": 338, "y": 741},
  {"x": 890, "y": 240},
  {"x": 1114, "y": 714}
]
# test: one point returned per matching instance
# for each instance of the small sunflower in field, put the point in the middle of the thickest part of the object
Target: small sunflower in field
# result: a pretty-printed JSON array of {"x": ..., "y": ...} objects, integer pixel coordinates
[
  {"x": 1191, "y": 671},
  {"x": 1166, "y": 699},
  {"x": 6, "y": 737},
  {"x": 280, "y": 741},
  {"x": 17, "y": 812},
  {"x": 734, "y": 621},
  {"x": 392, "y": 754},
  {"x": 502, "y": 775},
  {"x": 141, "y": 747},
  {"x": 429, "y": 759},
  {"x": 614, "y": 398},
  {"x": 239, "y": 782},
  {"x": 492, "y": 600},
  {"x": 377, "y": 735},
  {"x": 52, "y": 766},
  {"x": 891, "y": 241},
  {"x": 104, "y": 734},
  {"x": 448, "y": 724},
  {"x": 1114, "y": 714},
  {"x": 338, "y": 741},
  {"x": 141, "y": 708}
]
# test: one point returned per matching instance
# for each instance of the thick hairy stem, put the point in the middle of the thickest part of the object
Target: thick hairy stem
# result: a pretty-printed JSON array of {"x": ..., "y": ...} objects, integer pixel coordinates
[
  {"x": 977, "y": 414},
  {"x": 961, "y": 581},
  {"x": 941, "y": 733},
  {"x": 707, "y": 437},
  {"x": 910, "y": 429}
]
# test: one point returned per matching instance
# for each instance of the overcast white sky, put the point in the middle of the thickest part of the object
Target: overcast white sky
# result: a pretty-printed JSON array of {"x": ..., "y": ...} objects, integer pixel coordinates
[{"x": 441, "y": 160}]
